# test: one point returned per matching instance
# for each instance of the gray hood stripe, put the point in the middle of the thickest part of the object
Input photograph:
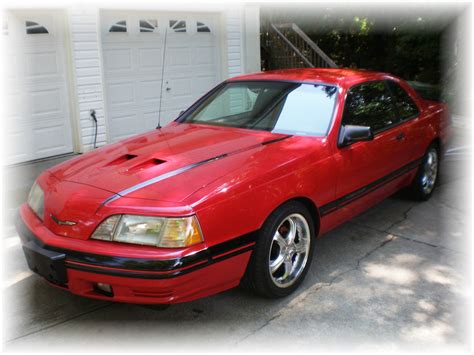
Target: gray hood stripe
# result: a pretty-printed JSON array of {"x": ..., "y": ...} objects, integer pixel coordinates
[{"x": 181, "y": 170}]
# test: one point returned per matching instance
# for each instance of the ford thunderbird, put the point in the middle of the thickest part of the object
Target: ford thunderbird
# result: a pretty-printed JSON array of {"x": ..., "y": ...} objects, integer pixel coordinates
[{"x": 235, "y": 190}]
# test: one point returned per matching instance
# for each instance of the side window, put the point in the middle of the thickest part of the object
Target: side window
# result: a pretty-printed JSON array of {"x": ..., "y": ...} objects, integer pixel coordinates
[
  {"x": 369, "y": 104},
  {"x": 403, "y": 102}
]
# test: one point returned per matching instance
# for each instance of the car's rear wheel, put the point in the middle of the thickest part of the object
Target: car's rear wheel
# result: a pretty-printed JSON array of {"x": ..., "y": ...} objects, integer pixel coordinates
[
  {"x": 425, "y": 180},
  {"x": 283, "y": 252}
]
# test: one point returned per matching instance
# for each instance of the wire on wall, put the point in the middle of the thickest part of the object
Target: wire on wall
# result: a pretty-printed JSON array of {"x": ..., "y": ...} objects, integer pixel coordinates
[{"x": 94, "y": 119}]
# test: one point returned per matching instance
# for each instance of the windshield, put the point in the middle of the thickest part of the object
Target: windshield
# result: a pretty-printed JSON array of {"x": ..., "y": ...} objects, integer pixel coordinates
[{"x": 279, "y": 107}]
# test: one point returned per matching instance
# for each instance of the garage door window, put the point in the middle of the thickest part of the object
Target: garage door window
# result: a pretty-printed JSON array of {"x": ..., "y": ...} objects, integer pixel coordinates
[
  {"x": 178, "y": 25},
  {"x": 33, "y": 28},
  {"x": 120, "y": 26},
  {"x": 201, "y": 27},
  {"x": 148, "y": 26}
]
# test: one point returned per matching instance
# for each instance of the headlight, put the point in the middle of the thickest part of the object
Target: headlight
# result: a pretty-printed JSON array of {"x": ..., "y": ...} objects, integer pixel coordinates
[
  {"x": 156, "y": 231},
  {"x": 36, "y": 200}
]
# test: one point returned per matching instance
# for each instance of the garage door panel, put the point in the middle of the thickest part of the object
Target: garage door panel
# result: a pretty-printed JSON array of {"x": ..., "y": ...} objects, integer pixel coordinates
[
  {"x": 133, "y": 94},
  {"x": 37, "y": 90},
  {"x": 20, "y": 147},
  {"x": 123, "y": 125},
  {"x": 201, "y": 85},
  {"x": 204, "y": 55},
  {"x": 42, "y": 62},
  {"x": 191, "y": 67},
  {"x": 169, "y": 114},
  {"x": 47, "y": 122},
  {"x": 205, "y": 42},
  {"x": 117, "y": 60},
  {"x": 11, "y": 66},
  {"x": 177, "y": 73},
  {"x": 13, "y": 106},
  {"x": 150, "y": 91},
  {"x": 49, "y": 140},
  {"x": 149, "y": 59},
  {"x": 122, "y": 93},
  {"x": 150, "y": 120},
  {"x": 177, "y": 102},
  {"x": 181, "y": 87},
  {"x": 46, "y": 102},
  {"x": 178, "y": 56}
]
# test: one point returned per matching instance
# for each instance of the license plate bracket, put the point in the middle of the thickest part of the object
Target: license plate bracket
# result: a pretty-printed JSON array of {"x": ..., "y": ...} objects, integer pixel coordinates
[{"x": 46, "y": 263}]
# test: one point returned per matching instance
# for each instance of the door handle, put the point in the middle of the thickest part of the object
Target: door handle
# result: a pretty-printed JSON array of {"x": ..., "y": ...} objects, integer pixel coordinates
[
  {"x": 400, "y": 137},
  {"x": 168, "y": 89}
]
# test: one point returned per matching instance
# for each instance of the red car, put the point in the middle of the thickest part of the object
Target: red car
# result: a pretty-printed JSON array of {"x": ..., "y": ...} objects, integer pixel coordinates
[{"x": 235, "y": 190}]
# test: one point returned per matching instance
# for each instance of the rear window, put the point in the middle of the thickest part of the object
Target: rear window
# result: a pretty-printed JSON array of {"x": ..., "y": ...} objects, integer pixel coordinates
[{"x": 427, "y": 91}]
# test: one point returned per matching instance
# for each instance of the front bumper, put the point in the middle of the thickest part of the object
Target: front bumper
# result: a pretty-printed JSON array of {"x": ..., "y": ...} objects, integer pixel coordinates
[{"x": 133, "y": 279}]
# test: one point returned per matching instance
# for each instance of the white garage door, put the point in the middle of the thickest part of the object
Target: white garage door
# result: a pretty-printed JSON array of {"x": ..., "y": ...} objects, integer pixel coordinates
[
  {"x": 133, "y": 46},
  {"x": 37, "y": 99}
]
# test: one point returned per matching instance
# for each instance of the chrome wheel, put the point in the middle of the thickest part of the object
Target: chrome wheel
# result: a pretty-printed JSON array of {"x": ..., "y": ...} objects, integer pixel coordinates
[
  {"x": 430, "y": 171},
  {"x": 289, "y": 250}
]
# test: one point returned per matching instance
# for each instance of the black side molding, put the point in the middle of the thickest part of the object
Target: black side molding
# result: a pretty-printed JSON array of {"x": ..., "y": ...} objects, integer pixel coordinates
[{"x": 351, "y": 197}]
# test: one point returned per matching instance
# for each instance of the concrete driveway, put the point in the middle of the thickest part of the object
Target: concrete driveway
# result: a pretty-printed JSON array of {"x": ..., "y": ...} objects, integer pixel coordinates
[{"x": 396, "y": 277}]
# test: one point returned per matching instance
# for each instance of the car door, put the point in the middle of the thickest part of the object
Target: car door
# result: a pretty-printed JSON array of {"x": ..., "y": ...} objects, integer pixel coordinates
[
  {"x": 362, "y": 166},
  {"x": 409, "y": 116}
]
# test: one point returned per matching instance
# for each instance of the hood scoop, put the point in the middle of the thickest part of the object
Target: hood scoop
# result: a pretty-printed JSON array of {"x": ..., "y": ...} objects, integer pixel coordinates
[
  {"x": 121, "y": 159},
  {"x": 159, "y": 154},
  {"x": 149, "y": 163},
  {"x": 145, "y": 165},
  {"x": 183, "y": 169}
]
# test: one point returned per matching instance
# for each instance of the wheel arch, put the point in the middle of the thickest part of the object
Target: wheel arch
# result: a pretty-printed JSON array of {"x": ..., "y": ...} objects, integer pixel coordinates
[
  {"x": 437, "y": 143},
  {"x": 310, "y": 205}
]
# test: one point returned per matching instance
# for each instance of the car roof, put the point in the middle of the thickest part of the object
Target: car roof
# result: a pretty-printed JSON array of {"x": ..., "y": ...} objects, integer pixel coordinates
[{"x": 341, "y": 77}]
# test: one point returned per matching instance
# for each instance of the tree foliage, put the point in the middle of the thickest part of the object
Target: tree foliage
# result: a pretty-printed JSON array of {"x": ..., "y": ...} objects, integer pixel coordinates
[{"x": 407, "y": 46}]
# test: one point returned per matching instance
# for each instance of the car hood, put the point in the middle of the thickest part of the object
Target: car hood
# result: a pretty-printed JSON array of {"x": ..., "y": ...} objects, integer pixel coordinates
[{"x": 158, "y": 165}]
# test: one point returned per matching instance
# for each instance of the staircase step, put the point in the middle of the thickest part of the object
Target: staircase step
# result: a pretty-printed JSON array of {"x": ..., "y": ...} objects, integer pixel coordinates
[{"x": 290, "y": 47}]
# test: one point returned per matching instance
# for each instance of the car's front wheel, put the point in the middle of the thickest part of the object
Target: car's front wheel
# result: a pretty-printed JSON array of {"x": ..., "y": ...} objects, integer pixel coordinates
[{"x": 283, "y": 252}]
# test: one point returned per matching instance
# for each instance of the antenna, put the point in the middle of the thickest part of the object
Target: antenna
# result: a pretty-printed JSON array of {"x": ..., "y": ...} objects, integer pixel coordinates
[{"x": 162, "y": 75}]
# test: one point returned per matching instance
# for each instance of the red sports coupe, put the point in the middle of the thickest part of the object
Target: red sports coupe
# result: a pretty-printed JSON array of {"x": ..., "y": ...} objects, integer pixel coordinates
[{"x": 235, "y": 190}]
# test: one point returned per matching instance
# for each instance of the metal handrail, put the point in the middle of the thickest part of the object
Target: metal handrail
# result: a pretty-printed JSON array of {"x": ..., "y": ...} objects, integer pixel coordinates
[
  {"x": 330, "y": 63},
  {"x": 313, "y": 45},
  {"x": 288, "y": 42}
]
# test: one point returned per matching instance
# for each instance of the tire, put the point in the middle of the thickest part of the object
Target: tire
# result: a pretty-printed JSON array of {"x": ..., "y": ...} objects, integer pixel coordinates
[
  {"x": 425, "y": 180},
  {"x": 296, "y": 248}
]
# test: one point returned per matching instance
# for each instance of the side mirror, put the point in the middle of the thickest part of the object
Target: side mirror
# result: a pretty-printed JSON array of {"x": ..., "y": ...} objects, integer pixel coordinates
[{"x": 351, "y": 134}]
